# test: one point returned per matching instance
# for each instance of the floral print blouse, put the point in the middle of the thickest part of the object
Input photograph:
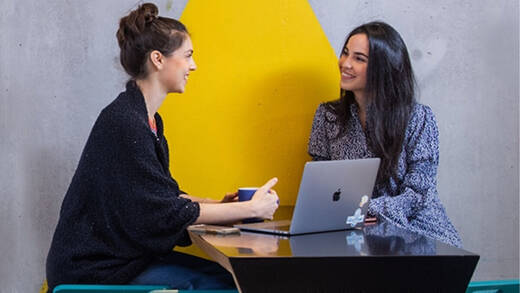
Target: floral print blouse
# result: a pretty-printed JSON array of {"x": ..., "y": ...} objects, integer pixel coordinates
[{"x": 411, "y": 201}]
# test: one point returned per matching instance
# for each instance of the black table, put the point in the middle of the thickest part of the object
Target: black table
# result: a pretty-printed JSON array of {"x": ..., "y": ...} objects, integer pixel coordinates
[{"x": 379, "y": 258}]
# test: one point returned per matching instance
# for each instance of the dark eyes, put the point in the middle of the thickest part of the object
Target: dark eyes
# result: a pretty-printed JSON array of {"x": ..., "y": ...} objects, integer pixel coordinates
[{"x": 357, "y": 57}]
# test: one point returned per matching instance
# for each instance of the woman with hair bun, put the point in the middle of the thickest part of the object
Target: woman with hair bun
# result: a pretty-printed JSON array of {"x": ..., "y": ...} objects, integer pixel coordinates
[
  {"x": 123, "y": 212},
  {"x": 377, "y": 116}
]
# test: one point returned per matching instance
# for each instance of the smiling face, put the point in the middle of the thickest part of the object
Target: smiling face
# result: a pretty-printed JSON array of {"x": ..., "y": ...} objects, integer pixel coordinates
[
  {"x": 177, "y": 67},
  {"x": 353, "y": 64}
]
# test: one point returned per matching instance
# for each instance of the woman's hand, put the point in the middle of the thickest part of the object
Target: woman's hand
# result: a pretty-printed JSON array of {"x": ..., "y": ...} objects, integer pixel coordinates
[
  {"x": 263, "y": 204},
  {"x": 265, "y": 200},
  {"x": 230, "y": 197}
]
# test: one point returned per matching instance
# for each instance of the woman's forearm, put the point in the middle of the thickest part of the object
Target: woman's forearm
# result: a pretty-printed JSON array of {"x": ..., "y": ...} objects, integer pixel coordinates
[
  {"x": 262, "y": 205},
  {"x": 225, "y": 212},
  {"x": 199, "y": 199}
]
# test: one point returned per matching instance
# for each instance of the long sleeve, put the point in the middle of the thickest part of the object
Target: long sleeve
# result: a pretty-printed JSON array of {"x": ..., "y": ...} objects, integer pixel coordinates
[
  {"x": 145, "y": 204},
  {"x": 122, "y": 208},
  {"x": 419, "y": 182},
  {"x": 318, "y": 146},
  {"x": 416, "y": 205}
]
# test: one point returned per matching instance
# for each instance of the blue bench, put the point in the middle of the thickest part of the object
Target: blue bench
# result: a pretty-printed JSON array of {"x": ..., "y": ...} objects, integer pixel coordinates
[
  {"x": 128, "y": 288},
  {"x": 503, "y": 286},
  {"x": 106, "y": 288}
]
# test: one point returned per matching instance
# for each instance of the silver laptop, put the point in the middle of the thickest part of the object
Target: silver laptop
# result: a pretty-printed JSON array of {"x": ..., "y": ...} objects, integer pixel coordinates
[{"x": 333, "y": 195}]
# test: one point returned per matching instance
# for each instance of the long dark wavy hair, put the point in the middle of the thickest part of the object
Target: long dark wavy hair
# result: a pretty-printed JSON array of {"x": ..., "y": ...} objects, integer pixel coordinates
[{"x": 390, "y": 91}]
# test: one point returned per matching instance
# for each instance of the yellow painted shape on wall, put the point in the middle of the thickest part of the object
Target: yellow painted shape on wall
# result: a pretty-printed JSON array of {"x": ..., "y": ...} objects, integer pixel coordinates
[{"x": 246, "y": 114}]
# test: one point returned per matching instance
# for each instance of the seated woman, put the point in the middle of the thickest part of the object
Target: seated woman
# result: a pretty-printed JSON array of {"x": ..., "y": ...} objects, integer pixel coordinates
[
  {"x": 123, "y": 212},
  {"x": 377, "y": 116}
]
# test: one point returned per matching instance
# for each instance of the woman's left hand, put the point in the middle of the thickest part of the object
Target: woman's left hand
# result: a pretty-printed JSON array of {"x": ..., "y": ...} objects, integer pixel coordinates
[{"x": 230, "y": 197}]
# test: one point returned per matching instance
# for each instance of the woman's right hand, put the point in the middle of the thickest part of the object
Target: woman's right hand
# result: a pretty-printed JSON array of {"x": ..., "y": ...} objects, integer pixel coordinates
[{"x": 265, "y": 200}]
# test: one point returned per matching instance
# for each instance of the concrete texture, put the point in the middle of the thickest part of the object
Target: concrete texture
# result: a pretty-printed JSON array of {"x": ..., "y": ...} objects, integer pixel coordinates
[
  {"x": 465, "y": 56},
  {"x": 59, "y": 67}
]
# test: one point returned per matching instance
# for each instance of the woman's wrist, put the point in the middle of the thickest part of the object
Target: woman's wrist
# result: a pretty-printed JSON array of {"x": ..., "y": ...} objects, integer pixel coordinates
[{"x": 249, "y": 210}]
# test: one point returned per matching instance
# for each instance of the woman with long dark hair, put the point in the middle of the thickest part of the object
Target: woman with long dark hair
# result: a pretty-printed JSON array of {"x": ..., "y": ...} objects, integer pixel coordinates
[
  {"x": 123, "y": 212},
  {"x": 377, "y": 116}
]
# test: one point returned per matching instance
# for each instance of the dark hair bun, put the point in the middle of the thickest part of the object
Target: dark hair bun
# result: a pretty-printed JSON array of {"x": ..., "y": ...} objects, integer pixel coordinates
[
  {"x": 135, "y": 23},
  {"x": 148, "y": 12},
  {"x": 141, "y": 32}
]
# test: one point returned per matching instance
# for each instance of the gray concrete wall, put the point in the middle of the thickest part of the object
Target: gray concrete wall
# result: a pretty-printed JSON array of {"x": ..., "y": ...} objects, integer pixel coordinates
[
  {"x": 59, "y": 67},
  {"x": 466, "y": 58}
]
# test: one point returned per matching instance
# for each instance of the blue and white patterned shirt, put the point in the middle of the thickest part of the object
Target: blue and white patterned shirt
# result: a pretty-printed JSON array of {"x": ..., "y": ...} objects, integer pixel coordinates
[{"x": 411, "y": 201}]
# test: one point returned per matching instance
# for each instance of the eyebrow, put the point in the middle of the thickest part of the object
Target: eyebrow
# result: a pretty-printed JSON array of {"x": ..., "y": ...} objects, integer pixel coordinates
[
  {"x": 359, "y": 53},
  {"x": 356, "y": 53}
]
